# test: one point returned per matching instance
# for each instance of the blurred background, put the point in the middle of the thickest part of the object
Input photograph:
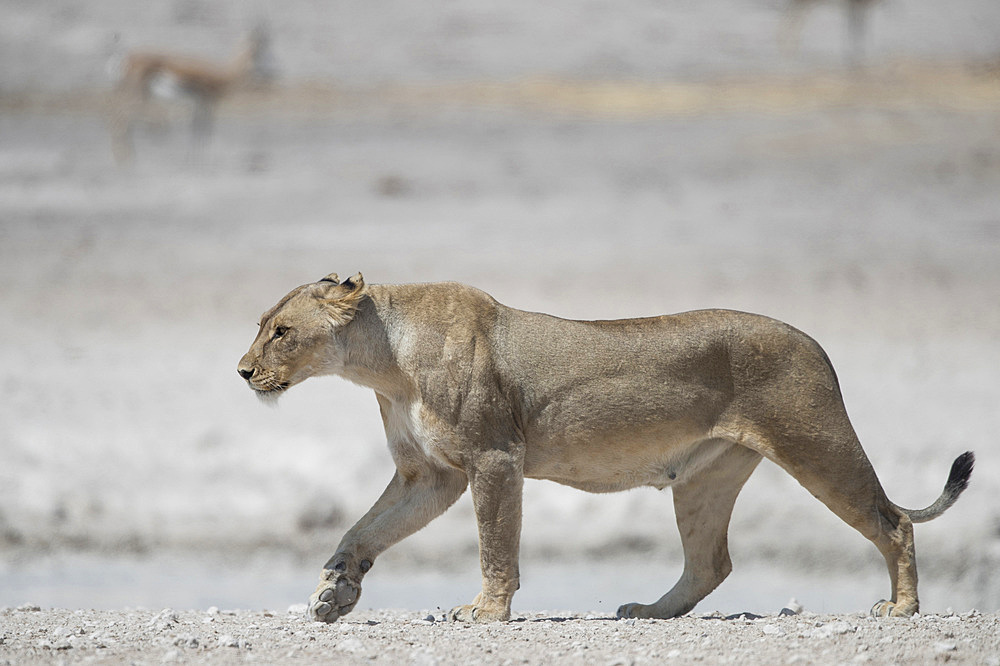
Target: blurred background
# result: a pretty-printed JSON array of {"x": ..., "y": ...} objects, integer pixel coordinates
[{"x": 168, "y": 171}]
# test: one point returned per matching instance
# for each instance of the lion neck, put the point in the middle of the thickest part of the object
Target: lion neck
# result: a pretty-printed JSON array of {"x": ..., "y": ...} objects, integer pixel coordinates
[{"x": 368, "y": 354}]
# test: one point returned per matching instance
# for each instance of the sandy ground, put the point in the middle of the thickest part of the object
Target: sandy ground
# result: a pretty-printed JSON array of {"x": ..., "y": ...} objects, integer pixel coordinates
[
  {"x": 30, "y": 636},
  {"x": 658, "y": 162}
]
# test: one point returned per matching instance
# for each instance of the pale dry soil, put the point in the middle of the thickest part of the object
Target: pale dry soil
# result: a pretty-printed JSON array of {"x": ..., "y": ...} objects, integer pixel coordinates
[{"x": 29, "y": 635}]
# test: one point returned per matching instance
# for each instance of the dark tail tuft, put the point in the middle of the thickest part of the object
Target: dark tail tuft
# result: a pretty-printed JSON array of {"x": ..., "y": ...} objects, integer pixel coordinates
[
  {"x": 958, "y": 480},
  {"x": 961, "y": 470}
]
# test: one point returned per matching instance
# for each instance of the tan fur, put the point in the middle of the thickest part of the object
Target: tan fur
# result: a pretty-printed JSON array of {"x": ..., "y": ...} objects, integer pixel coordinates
[{"x": 475, "y": 394}]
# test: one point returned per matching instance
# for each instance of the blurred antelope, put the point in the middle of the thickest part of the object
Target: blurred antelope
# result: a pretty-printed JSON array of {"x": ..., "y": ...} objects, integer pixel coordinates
[
  {"x": 173, "y": 76},
  {"x": 857, "y": 16}
]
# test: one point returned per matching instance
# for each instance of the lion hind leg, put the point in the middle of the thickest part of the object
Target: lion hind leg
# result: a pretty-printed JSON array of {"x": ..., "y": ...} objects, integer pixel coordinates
[
  {"x": 834, "y": 468},
  {"x": 869, "y": 511},
  {"x": 704, "y": 505},
  {"x": 895, "y": 542}
]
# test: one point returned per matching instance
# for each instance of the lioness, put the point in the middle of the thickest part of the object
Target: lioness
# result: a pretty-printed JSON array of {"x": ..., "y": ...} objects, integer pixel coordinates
[{"x": 474, "y": 393}]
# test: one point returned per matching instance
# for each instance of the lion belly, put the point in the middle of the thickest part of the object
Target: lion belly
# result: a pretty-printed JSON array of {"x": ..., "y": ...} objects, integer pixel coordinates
[{"x": 602, "y": 465}]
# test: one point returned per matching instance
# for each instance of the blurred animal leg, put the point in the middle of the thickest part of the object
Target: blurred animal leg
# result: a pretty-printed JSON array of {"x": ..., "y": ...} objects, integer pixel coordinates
[
  {"x": 124, "y": 108},
  {"x": 857, "y": 15},
  {"x": 790, "y": 32}
]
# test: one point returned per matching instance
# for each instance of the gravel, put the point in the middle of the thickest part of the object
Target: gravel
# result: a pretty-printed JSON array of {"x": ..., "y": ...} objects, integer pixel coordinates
[{"x": 29, "y": 635}]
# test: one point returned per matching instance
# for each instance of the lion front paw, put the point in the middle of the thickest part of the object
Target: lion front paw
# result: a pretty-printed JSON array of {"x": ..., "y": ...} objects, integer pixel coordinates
[
  {"x": 335, "y": 597},
  {"x": 479, "y": 613}
]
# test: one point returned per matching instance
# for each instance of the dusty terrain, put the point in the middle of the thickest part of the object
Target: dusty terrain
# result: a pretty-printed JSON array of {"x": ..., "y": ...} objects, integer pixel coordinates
[{"x": 29, "y": 636}]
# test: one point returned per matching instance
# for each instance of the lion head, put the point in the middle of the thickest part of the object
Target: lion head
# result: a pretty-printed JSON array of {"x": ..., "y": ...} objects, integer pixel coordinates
[{"x": 297, "y": 337}]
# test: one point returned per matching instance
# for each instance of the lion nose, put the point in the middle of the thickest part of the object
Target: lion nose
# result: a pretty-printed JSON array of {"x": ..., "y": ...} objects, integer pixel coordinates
[{"x": 245, "y": 373}]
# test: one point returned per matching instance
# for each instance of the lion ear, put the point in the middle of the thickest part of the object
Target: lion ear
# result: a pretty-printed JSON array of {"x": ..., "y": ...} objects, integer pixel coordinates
[
  {"x": 341, "y": 300},
  {"x": 344, "y": 294},
  {"x": 355, "y": 282},
  {"x": 329, "y": 288}
]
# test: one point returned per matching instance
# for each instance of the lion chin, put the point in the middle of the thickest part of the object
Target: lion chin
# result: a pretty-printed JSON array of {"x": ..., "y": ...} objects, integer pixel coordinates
[{"x": 269, "y": 397}]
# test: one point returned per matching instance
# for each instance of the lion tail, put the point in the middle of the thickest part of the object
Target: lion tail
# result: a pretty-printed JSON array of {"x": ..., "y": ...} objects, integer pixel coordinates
[{"x": 958, "y": 480}]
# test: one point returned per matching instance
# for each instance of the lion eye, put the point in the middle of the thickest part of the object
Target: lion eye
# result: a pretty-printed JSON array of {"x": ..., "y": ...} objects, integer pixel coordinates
[{"x": 279, "y": 332}]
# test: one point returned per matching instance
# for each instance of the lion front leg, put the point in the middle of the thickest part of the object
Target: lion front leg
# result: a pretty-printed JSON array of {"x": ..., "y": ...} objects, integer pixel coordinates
[
  {"x": 408, "y": 503},
  {"x": 496, "y": 482}
]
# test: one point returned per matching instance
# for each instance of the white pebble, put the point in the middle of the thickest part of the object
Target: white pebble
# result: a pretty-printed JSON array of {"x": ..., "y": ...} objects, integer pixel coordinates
[
  {"x": 162, "y": 620},
  {"x": 772, "y": 630},
  {"x": 60, "y": 632}
]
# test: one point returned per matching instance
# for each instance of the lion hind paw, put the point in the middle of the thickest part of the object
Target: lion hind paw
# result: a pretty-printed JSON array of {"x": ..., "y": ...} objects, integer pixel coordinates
[
  {"x": 637, "y": 610},
  {"x": 478, "y": 614},
  {"x": 883, "y": 608}
]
